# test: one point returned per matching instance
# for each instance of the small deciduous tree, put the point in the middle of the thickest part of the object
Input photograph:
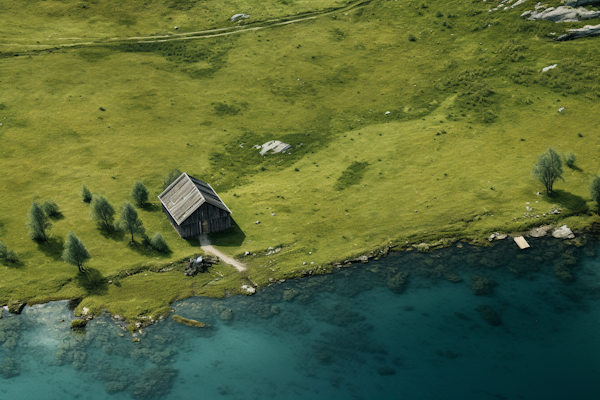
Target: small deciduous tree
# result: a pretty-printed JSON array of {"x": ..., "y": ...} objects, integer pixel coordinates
[
  {"x": 173, "y": 174},
  {"x": 86, "y": 195},
  {"x": 102, "y": 211},
  {"x": 38, "y": 223},
  {"x": 548, "y": 168},
  {"x": 158, "y": 243},
  {"x": 139, "y": 193},
  {"x": 595, "y": 191},
  {"x": 130, "y": 222},
  {"x": 75, "y": 252}
]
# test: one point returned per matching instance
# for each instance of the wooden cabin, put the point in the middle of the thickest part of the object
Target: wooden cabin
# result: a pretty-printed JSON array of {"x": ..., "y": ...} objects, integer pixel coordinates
[{"x": 193, "y": 207}]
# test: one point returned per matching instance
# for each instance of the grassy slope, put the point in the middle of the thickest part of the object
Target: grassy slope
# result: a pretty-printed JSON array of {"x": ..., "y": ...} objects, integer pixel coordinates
[{"x": 201, "y": 105}]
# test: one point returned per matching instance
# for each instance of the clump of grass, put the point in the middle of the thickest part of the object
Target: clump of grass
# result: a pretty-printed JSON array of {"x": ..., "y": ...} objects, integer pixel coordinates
[
  {"x": 411, "y": 38},
  {"x": 158, "y": 243},
  {"x": 569, "y": 159}
]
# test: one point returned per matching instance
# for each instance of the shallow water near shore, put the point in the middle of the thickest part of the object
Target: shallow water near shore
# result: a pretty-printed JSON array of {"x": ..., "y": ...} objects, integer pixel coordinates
[{"x": 390, "y": 329}]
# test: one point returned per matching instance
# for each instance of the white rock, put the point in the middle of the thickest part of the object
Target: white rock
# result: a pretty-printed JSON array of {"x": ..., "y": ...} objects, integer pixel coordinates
[
  {"x": 238, "y": 17},
  {"x": 563, "y": 233},
  {"x": 549, "y": 67},
  {"x": 388, "y": 112}
]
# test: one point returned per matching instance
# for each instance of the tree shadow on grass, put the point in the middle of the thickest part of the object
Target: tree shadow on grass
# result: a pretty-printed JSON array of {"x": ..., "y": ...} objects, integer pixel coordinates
[
  {"x": 109, "y": 232},
  {"x": 92, "y": 281},
  {"x": 12, "y": 264},
  {"x": 151, "y": 207},
  {"x": 232, "y": 237},
  {"x": 53, "y": 247},
  {"x": 566, "y": 200},
  {"x": 145, "y": 249}
]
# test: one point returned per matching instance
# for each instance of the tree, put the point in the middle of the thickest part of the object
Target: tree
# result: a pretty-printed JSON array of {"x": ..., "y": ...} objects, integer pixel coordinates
[
  {"x": 75, "y": 252},
  {"x": 548, "y": 169},
  {"x": 130, "y": 222},
  {"x": 86, "y": 195},
  {"x": 139, "y": 193},
  {"x": 158, "y": 243},
  {"x": 173, "y": 174},
  {"x": 38, "y": 223},
  {"x": 102, "y": 211},
  {"x": 595, "y": 190}
]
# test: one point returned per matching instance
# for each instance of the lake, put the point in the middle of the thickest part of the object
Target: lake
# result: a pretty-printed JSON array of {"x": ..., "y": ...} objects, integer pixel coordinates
[{"x": 457, "y": 323}]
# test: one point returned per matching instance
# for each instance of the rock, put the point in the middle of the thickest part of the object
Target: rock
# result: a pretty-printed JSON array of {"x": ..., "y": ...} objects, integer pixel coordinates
[
  {"x": 549, "y": 67},
  {"x": 15, "y": 307},
  {"x": 78, "y": 324},
  {"x": 563, "y": 14},
  {"x": 482, "y": 285},
  {"x": 289, "y": 294},
  {"x": 274, "y": 146},
  {"x": 248, "y": 289},
  {"x": 489, "y": 315},
  {"x": 563, "y": 233},
  {"x": 540, "y": 231},
  {"x": 239, "y": 17},
  {"x": 452, "y": 277},
  {"x": 189, "y": 322},
  {"x": 273, "y": 251},
  {"x": 226, "y": 315},
  {"x": 196, "y": 265},
  {"x": 497, "y": 236},
  {"x": 586, "y": 31},
  {"x": 397, "y": 283}
]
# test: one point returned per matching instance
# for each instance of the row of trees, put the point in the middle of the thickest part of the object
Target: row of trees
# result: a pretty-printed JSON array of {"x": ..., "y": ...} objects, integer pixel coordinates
[
  {"x": 103, "y": 212},
  {"x": 548, "y": 170}
]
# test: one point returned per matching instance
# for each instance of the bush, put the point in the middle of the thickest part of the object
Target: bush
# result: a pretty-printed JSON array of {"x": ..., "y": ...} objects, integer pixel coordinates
[
  {"x": 86, "y": 195},
  {"x": 411, "y": 38},
  {"x": 51, "y": 208},
  {"x": 7, "y": 255},
  {"x": 569, "y": 159},
  {"x": 139, "y": 193},
  {"x": 158, "y": 243}
]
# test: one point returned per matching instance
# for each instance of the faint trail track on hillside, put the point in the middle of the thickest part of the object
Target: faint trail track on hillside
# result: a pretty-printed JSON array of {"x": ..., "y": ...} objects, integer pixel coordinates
[{"x": 205, "y": 34}]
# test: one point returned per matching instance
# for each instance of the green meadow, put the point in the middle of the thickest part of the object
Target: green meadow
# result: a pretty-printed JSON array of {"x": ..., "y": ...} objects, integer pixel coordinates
[{"x": 82, "y": 102}]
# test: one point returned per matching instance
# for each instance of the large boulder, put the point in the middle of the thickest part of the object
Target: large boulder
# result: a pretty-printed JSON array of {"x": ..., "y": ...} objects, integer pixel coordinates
[{"x": 563, "y": 233}]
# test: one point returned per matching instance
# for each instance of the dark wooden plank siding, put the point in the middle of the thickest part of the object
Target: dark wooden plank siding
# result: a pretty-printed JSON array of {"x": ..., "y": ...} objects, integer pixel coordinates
[{"x": 217, "y": 219}]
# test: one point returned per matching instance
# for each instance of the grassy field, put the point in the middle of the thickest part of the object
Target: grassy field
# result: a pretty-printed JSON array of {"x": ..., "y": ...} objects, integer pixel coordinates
[{"x": 469, "y": 111}]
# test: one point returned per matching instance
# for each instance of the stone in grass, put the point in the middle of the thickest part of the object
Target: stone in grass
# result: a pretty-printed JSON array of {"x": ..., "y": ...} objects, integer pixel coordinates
[
  {"x": 189, "y": 322},
  {"x": 482, "y": 285},
  {"x": 489, "y": 315}
]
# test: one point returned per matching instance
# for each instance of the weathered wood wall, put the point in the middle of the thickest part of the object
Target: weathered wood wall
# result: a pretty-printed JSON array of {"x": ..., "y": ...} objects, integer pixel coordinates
[{"x": 216, "y": 218}]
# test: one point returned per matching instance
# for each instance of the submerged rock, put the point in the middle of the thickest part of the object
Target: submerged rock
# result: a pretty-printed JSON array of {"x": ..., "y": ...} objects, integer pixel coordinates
[
  {"x": 189, "y": 322},
  {"x": 489, "y": 315},
  {"x": 482, "y": 285},
  {"x": 397, "y": 283}
]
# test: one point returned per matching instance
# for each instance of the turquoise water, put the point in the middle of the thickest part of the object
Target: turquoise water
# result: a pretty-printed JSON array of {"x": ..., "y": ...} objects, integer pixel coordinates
[{"x": 359, "y": 333}]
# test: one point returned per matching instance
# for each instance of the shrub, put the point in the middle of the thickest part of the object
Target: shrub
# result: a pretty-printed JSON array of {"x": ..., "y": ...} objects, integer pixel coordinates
[
  {"x": 7, "y": 255},
  {"x": 569, "y": 159},
  {"x": 411, "y": 38},
  {"x": 139, "y": 193},
  {"x": 51, "y": 208},
  {"x": 158, "y": 243},
  {"x": 86, "y": 195}
]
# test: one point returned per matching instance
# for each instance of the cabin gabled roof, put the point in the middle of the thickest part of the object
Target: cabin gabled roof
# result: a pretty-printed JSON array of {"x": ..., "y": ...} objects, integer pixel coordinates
[{"x": 186, "y": 194}]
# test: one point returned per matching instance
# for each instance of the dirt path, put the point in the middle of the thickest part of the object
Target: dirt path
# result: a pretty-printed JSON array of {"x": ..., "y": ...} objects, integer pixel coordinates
[
  {"x": 210, "y": 33},
  {"x": 205, "y": 245}
]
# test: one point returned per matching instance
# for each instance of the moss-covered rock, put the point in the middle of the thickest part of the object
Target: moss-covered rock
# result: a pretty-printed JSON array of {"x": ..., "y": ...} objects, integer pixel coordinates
[
  {"x": 78, "y": 324},
  {"x": 15, "y": 306},
  {"x": 189, "y": 322}
]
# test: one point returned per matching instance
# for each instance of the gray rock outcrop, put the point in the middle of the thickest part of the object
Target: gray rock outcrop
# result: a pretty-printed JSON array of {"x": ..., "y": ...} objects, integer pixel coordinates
[
  {"x": 239, "y": 17},
  {"x": 586, "y": 31},
  {"x": 561, "y": 14}
]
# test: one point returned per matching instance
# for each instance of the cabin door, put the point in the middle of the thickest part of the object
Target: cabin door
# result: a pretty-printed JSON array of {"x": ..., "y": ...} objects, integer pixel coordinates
[{"x": 205, "y": 227}]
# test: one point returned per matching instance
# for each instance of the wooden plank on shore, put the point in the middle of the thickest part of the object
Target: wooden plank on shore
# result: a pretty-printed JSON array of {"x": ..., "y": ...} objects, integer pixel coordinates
[{"x": 521, "y": 242}]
